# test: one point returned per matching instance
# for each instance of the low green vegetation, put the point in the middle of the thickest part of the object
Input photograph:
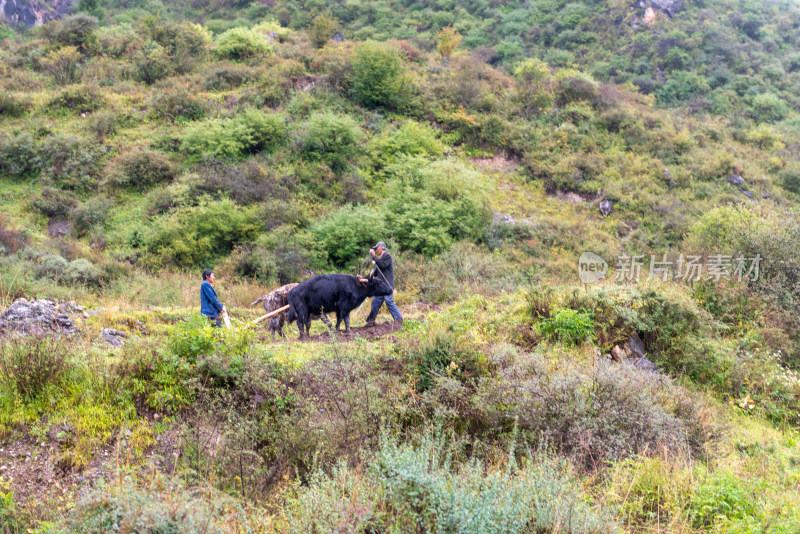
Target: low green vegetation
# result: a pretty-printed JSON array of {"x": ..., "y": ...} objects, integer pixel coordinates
[{"x": 489, "y": 145}]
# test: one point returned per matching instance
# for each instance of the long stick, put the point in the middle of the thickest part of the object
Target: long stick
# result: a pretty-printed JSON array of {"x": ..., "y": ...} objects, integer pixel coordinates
[{"x": 271, "y": 314}]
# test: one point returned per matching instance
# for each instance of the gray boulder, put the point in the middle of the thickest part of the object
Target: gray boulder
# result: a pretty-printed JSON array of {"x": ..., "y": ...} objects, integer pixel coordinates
[
  {"x": 115, "y": 338},
  {"x": 33, "y": 316},
  {"x": 606, "y": 207},
  {"x": 735, "y": 179},
  {"x": 670, "y": 7}
]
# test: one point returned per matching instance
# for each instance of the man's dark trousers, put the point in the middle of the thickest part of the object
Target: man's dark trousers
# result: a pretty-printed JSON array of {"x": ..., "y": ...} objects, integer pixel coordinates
[{"x": 377, "y": 302}]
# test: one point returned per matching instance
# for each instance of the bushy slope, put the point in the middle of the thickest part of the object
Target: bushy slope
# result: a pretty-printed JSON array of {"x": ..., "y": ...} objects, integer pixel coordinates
[{"x": 134, "y": 154}]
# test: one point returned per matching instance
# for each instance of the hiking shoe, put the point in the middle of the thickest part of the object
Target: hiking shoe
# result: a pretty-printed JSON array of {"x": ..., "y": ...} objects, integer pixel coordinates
[{"x": 369, "y": 323}]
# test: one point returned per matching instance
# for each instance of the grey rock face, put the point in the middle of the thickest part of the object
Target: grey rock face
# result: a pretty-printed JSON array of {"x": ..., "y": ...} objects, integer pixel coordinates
[
  {"x": 36, "y": 316},
  {"x": 33, "y": 12},
  {"x": 644, "y": 364},
  {"x": 670, "y": 7},
  {"x": 606, "y": 207}
]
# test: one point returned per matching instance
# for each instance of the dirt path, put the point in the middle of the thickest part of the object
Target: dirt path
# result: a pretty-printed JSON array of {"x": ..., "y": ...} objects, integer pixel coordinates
[{"x": 380, "y": 329}]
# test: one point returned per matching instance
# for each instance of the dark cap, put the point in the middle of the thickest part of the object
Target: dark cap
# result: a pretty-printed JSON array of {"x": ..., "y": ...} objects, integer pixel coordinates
[{"x": 380, "y": 244}]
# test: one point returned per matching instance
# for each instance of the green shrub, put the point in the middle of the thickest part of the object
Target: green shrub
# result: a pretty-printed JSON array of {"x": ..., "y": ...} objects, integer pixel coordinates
[
  {"x": 410, "y": 139},
  {"x": 378, "y": 78},
  {"x": 443, "y": 354},
  {"x": 78, "y": 99},
  {"x": 574, "y": 86},
  {"x": 193, "y": 338},
  {"x": 245, "y": 184},
  {"x": 197, "y": 235},
  {"x": 769, "y": 107},
  {"x": 52, "y": 266},
  {"x": 424, "y": 488},
  {"x": 242, "y": 44},
  {"x": 91, "y": 214},
  {"x": 151, "y": 63},
  {"x": 141, "y": 168},
  {"x": 568, "y": 326},
  {"x": 331, "y": 139},
  {"x": 76, "y": 30},
  {"x": 176, "y": 106},
  {"x": 71, "y": 162},
  {"x": 82, "y": 271},
  {"x": 158, "y": 504},
  {"x": 345, "y": 235},
  {"x": 248, "y": 132},
  {"x": 429, "y": 205},
  {"x": 29, "y": 364},
  {"x": 227, "y": 77},
  {"x": 13, "y": 106},
  {"x": 20, "y": 156},
  {"x": 322, "y": 29},
  {"x": 722, "y": 498}
]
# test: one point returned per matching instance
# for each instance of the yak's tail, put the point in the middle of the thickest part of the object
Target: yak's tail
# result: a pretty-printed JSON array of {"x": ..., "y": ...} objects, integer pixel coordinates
[
  {"x": 290, "y": 315},
  {"x": 257, "y": 301}
]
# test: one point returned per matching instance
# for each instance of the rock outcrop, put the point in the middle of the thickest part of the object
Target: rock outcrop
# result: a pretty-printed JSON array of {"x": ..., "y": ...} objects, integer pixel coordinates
[
  {"x": 33, "y": 12},
  {"x": 670, "y": 7},
  {"x": 37, "y": 316}
]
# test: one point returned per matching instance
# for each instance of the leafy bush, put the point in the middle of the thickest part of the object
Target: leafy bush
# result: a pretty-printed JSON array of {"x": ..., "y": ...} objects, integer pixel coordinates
[
  {"x": 13, "y": 106},
  {"x": 345, "y": 235},
  {"x": 52, "y": 266},
  {"x": 158, "y": 505},
  {"x": 177, "y": 105},
  {"x": 71, "y": 162},
  {"x": 20, "y": 156},
  {"x": 567, "y": 325},
  {"x": 140, "y": 168},
  {"x": 378, "y": 79},
  {"x": 720, "y": 499},
  {"x": 768, "y": 107},
  {"x": 11, "y": 241},
  {"x": 423, "y": 488},
  {"x": 193, "y": 338},
  {"x": 322, "y": 29},
  {"x": 428, "y": 205},
  {"x": 152, "y": 63},
  {"x": 76, "y": 30},
  {"x": 63, "y": 64},
  {"x": 195, "y": 236},
  {"x": 78, "y": 99},
  {"x": 443, "y": 354},
  {"x": 248, "y": 132},
  {"x": 242, "y": 44},
  {"x": 601, "y": 413},
  {"x": 29, "y": 364},
  {"x": 91, "y": 214},
  {"x": 227, "y": 77},
  {"x": 574, "y": 86},
  {"x": 410, "y": 139},
  {"x": 54, "y": 203},
  {"x": 245, "y": 184},
  {"x": 82, "y": 271},
  {"x": 332, "y": 139}
]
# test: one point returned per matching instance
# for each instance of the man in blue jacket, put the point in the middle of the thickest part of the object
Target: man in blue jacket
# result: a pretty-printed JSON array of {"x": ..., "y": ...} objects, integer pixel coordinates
[{"x": 210, "y": 306}]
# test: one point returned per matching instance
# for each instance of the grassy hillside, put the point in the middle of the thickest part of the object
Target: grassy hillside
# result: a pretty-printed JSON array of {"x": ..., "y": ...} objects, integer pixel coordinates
[{"x": 490, "y": 146}]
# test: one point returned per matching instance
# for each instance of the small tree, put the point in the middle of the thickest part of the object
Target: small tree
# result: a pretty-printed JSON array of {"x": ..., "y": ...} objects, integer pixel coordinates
[
  {"x": 62, "y": 64},
  {"x": 322, "y": 29},
  {"x": 448, "y": 40},
  {"x": 378, "y": 78}
]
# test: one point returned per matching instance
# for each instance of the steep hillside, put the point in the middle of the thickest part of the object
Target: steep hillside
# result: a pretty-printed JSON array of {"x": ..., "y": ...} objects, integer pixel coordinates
[{"x": 492, "y": 147}]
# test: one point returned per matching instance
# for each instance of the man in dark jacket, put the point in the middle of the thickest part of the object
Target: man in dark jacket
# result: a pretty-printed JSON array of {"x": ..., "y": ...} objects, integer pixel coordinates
[
  {"x": 210, "y": 306},
  {"x": 384, "y": 270}
]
